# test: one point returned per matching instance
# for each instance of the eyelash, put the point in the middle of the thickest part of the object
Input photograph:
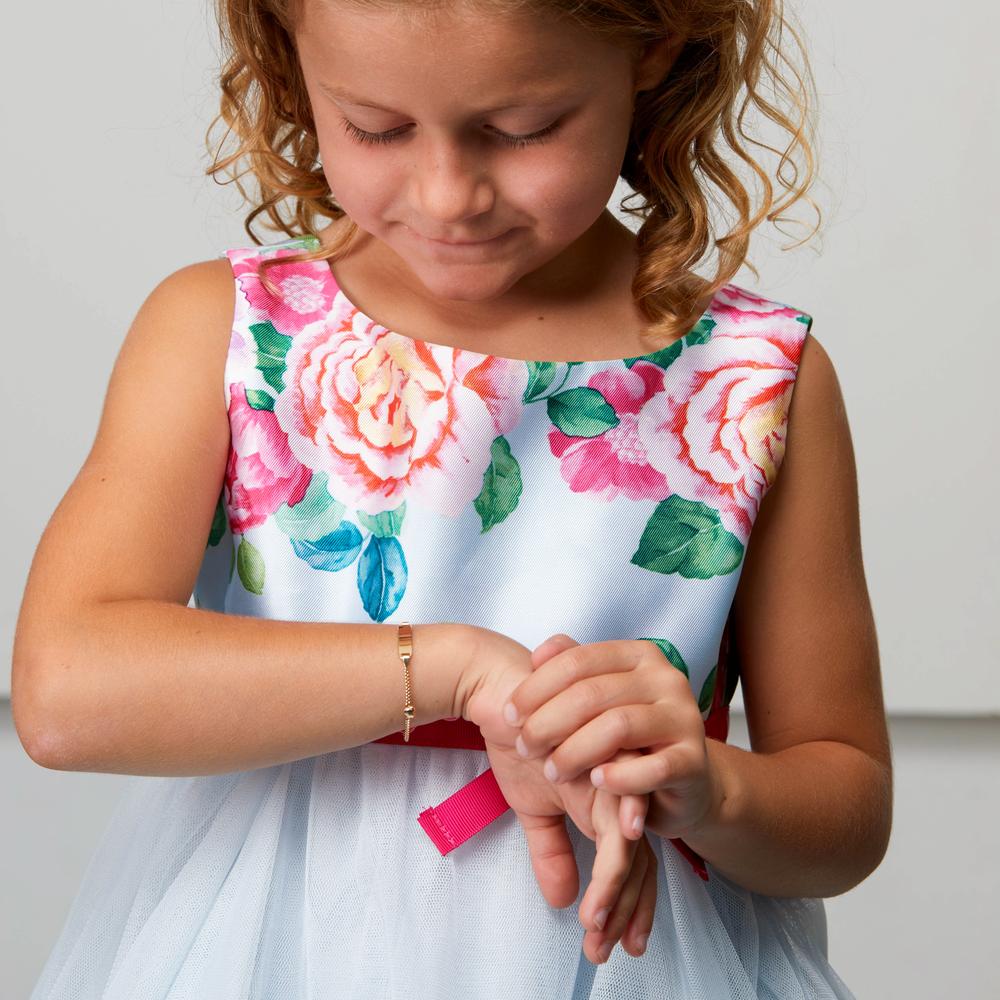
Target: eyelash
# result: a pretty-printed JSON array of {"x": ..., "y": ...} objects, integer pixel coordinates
[{"x": 516, "y": 141}]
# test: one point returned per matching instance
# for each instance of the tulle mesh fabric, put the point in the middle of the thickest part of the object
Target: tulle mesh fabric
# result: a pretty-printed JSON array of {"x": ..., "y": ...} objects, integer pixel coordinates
[{"x": 312, "y": 880}]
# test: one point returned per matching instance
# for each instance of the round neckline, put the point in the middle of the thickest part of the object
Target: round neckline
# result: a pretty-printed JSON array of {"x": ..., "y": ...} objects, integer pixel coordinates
[{"x": 314, "y": 243}]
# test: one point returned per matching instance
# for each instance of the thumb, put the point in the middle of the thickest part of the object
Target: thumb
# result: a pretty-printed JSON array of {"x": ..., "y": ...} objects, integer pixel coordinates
[
  {"x": 552, "y": 858},
  {"x": 549, "y": 647}
]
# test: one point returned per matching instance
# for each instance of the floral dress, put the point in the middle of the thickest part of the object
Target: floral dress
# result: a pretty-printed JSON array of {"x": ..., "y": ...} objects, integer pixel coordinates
[{"x": 375, "y": 477}]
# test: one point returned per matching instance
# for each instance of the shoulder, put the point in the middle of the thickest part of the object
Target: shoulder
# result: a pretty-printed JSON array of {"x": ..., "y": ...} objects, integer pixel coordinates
[{"x": 203, "y": 285}]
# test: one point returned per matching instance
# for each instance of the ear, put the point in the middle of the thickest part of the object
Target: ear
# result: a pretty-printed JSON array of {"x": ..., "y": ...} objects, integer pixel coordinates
[{"x": 655, "y": 61}]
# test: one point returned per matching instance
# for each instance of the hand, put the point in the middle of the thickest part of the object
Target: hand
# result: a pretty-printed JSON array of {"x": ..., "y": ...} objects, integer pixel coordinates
[
  {"x": 624, "y": 871},
  {"x": 588, "y": 702},
  {"x": 627, "y": 889}
]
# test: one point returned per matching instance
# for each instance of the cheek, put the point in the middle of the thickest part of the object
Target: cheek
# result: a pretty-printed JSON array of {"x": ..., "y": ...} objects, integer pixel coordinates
[
  {"x": 568, "y": 200},
  {"x": 361, "y": 187}
]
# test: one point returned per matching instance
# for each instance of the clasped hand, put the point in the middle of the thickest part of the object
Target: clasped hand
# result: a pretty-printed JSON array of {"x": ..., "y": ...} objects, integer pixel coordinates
[{"x": 619, "y": 704}]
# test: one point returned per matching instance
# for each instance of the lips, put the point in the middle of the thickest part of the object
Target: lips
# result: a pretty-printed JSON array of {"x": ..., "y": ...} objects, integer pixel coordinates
[{"x": 459, "y": 243}]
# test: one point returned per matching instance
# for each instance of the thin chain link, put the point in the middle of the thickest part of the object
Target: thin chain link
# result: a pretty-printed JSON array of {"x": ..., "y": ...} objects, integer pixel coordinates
[{"x": 405, "y": 639}]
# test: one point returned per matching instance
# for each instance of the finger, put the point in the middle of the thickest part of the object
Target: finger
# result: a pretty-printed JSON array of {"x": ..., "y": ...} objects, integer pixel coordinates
[
  {"x": 674, "y": 766},
  {"x": 552, "y": 858},
  {"x": 624, "y": 907},
  {"x": 640, "y": 924},
  {"x": 577, "y": 662},
  {"x": 584, "y": 726},
  {"x": 549, "y": 647},
  {"x": 612, "y": 863},
  {"x": 616, "y": 889},
  {"x": 632, "y": 811}
]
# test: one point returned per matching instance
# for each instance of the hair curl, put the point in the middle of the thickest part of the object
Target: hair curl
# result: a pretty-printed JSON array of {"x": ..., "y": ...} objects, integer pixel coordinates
[{"x": 732, "y": 48}]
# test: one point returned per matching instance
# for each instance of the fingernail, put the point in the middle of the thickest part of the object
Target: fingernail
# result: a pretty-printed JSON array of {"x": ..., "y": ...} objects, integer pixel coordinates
[
  {"x": 641, "y": 941},
  {"x": 600, "y": 916},
  {"x": 604, "y": 952},
  {"x": 520, "y": 745},
  {"x": 510, "y": 714},
  {"x": 597, "y": 777},
  {"x": 637, "y": 825},
  {"x": 550, "y": 770}
]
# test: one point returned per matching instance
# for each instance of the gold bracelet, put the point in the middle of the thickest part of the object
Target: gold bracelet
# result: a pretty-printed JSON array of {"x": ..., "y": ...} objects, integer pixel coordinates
[{"x": 404, "y": 635}]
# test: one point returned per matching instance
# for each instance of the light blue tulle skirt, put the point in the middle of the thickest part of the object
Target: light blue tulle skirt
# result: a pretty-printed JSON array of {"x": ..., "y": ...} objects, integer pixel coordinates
[{"x": 312, "y": 880}]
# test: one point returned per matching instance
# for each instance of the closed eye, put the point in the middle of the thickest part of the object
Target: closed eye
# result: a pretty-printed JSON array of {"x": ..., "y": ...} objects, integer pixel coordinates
[{"x": 516, "y": 141}]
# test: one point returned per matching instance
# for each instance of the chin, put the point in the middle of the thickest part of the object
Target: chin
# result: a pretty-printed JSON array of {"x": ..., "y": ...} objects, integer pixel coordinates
[{"x": 466, "y": 283}]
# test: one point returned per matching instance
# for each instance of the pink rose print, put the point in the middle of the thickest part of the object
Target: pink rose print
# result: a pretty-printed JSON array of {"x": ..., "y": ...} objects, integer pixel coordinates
[
  {"x": 307, "y": 291},
  {"x": 717, "y": 431},
  {"x": 262, "y": 473},
  {"x": 392, "y": 419},
  {"x": 741, "y": 314},
  {"x": 614, "y": 462}
]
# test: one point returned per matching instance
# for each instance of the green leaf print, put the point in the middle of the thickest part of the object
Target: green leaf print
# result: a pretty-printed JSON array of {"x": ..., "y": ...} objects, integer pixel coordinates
[
  {"x": 502, "y": 485},
  {"x": 663, "y": 357},
  {"x": 541, "y": 375},
  {"x": 700, "y": 332},
  {"x": 386, "y": 524},
  {"x": 218, "y": 522},
  {"x": 671, "y": 652},
  {"x": 581, "y": 412},
  {"x": 315, "y": 516},
  {"x": 687, "y": 537},
  {"x": 260, "y": 400},
  {"x": 707, "y": 690},
  {"x": 250, "y": 566},
  {"x": 272, "y": 347}
]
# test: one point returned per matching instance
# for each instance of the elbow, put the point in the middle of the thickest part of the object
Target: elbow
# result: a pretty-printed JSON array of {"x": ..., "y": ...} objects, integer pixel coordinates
[
  {"x": 874, "y": 829},
  {"x": 36, "y": 719}
]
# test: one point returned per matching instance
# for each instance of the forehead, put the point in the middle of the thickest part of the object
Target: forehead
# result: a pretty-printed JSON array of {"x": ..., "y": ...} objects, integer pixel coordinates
[{"x": 457, "y": 48}]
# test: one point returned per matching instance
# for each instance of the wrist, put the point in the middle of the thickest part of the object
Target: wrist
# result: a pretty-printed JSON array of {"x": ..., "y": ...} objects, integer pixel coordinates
[
  {"x": 724, "y": 807},
  {"x": 452, "y": 646},
  {"x": 437, "y": 669},
  {"x": 468, "y": 667}
]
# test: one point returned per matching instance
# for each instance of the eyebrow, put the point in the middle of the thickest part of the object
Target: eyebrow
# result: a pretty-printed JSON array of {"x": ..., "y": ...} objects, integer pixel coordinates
[{"x": 540, "y": 97}]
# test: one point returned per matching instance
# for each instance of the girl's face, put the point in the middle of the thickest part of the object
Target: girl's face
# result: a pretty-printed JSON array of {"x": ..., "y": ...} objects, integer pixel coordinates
[{"x": 506, "y": 134}]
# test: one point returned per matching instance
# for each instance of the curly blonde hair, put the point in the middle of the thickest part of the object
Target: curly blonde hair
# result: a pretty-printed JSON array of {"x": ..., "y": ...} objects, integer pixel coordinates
[{"x": 732, "y": 50}]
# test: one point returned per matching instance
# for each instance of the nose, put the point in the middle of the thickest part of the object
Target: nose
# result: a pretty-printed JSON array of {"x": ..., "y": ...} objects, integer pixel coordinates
[{"x": 452, "y": 183}]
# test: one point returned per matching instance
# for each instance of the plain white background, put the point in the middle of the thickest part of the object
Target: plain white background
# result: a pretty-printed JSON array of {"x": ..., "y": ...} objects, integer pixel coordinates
[{"x": 105, "y": 106}]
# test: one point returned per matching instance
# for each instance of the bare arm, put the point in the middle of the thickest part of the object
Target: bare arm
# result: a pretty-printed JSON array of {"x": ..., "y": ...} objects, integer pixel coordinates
[
  {"x": 147, "y": 687},
  {"x": 808, "y": 812},
  {"x": 111, "y": 670}
]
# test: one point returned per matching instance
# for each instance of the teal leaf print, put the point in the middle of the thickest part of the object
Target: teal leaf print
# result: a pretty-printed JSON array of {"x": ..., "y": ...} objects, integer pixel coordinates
[
  {"x": 671, "y": 652},
  {"x": 581, "y": 412},
  {"x": 218, "y": 528},
  {"x": 260, "y": 400},
  {"x": 687, "y": 537},
  {"x": 315, "y": 516},
  {"x": 502, "y": 485},
  {"x": 386, "y": 524},
  {"x": 332, "y": 552},
  {"x": 250, "y": 566},
  {"x": 382, "y": 576},
  {"x": 707, "y": 690},
  {"x": 272, "y": 347}
]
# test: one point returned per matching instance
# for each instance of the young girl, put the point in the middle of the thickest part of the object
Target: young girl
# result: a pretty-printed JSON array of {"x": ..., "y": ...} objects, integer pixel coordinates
[{"x": 476, "y": 423}]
